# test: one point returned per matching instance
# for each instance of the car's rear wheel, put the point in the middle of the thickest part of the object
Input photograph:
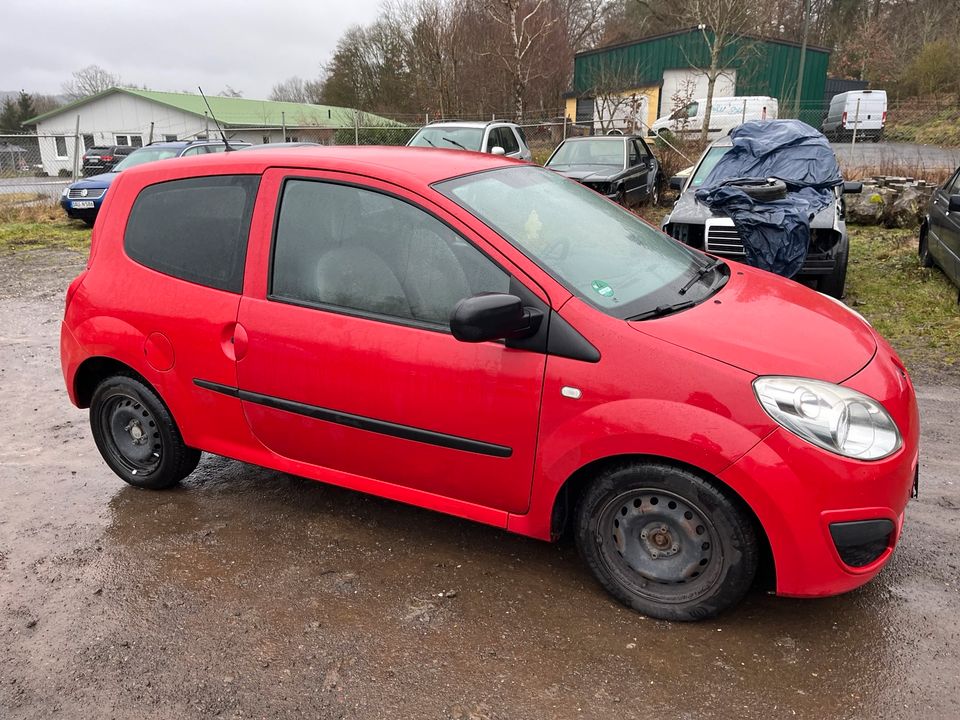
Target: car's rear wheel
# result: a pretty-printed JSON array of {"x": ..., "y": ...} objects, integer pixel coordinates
[
  {"x": 137, "y": 436},
  {"x": 835, "y": 283},
  {"x": 666, "y": 542}
]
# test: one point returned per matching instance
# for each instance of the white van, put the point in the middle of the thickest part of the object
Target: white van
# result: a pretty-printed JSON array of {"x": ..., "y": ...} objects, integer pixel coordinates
[
  {"x": 863, "y": 110},
  {"x": 726, "y": 114}
]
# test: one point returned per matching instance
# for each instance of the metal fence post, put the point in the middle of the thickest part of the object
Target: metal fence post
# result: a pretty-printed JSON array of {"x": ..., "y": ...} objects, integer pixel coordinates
[
  {"x": 74, "y": 175},
  {"x": 283, "y": 124},
  {"x": 856, "y": 124},
  {"x": 356, "y": 127},
  {"x": 564, "y": 126}
]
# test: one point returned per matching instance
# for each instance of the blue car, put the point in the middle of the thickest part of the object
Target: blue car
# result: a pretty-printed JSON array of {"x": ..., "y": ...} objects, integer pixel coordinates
[{"x": 82, "y": 199}]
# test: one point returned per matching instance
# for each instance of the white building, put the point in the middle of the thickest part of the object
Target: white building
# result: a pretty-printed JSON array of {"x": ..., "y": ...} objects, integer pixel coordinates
[{"x": 121, "y": 116}]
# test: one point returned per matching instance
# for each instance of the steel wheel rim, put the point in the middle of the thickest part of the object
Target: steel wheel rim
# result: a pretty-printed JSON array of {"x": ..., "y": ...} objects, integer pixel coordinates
[
  {"x": 131, "y": 434},
  {"x": 659, "y": 545}
]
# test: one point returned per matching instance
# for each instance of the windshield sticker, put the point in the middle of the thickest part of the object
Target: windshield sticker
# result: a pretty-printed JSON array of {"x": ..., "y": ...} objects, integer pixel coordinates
[{"x": 601, "y": 288}]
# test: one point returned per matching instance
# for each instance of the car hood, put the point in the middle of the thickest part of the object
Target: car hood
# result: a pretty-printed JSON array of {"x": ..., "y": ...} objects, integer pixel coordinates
[
  {"x": 97, "y": 182},
  {"x": 688, "y": 211},
  {"x": 766, "y": 325},
  {"x": 587, "y": 173}
]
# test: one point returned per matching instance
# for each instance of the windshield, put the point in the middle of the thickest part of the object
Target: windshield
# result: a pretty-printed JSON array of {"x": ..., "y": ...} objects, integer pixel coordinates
[
  {"x": 458, "y": 138},
  {"x": 600, "y": 252},
  {"x": 145, "y": 155},
  {"x": 709, "y": 162},
  {"x": 589, "y": 152}
]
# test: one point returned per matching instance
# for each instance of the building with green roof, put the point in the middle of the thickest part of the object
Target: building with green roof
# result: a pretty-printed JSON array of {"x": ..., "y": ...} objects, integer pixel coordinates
[{"x": 127, "y": 116}]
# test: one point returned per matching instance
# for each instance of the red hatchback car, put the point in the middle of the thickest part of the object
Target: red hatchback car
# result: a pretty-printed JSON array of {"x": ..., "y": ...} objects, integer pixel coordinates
[{"x": 489, "y": 339}]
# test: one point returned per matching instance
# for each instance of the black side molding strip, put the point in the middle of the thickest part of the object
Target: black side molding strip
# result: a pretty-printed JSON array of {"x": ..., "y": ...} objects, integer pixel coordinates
[{"x": 383, "y": 427}]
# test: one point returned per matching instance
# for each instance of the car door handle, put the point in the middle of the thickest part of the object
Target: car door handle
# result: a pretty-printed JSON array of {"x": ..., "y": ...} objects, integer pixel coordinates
[{"x": 234, "y": 341}]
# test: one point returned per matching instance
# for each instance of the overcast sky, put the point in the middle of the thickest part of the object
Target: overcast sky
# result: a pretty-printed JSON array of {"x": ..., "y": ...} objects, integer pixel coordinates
[{"x": 175, "y": 44}]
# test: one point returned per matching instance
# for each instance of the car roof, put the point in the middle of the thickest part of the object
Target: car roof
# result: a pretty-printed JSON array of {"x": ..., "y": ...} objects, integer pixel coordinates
[
  {"x": 414, "y": 165},
  {"x": 603, "y": 137},
  {"x": 467, "y": 123}
]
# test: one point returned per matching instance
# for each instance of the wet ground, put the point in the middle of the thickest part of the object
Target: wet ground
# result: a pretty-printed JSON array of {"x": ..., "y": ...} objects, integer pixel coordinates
[{"x": 249, "y": 593}]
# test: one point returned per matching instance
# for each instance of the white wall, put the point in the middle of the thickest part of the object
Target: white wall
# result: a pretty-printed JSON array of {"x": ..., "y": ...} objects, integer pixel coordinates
[
  {"x": 674, "y": 80},
  {"x": 116, "y": 114}
]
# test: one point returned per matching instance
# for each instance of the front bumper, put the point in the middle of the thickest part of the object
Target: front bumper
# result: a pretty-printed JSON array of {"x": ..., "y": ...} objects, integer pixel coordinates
[
  {"x": 833, "y": 522},
  {"x": 80, "y": 214}
]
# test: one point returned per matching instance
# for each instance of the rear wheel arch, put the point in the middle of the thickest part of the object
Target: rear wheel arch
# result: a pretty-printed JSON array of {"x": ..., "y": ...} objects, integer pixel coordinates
[
  {"x": 95, "y": 370},
  {"x": 567, "y": 497}
]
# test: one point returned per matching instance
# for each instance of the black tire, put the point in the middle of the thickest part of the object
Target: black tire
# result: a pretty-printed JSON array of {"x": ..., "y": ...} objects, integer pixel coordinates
[
  {"x": 654, "y": 198},
  {"x": 666, "y": 542},
  {"x": 923, "y": 248},
  {"x": 89, "y": 221},
  {"x": 771, "y": 189},
  {"x": 137, "y": 436},
  {"x": 835, "y": 283}
]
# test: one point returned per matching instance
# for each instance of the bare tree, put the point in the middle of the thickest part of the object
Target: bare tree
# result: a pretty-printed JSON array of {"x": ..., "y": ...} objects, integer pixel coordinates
[
  {"x": 89, "y": 81},
  {"x": 525, "y": 25},
  {"x": 724, "y": 25},
  {"x": 612, "y": 103}
]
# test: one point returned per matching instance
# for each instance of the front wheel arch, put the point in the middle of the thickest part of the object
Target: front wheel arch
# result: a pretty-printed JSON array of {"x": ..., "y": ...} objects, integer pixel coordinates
[{"x": 569, "y": 494}]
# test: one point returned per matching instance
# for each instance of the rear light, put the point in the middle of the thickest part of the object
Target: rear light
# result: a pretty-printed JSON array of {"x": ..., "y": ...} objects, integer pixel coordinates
[
  {"x": 843, "y": 120},
  {"x": 107, "y": 158},
  {"x": 883, "y": 118}
]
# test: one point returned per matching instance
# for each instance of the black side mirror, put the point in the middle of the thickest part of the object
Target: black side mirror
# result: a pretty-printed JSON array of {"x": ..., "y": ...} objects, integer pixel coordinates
[
  {"x": 493, "y": 316},
  {"x": 676, "y": 183},
  {"x": 954, "y": 203},
  {"x": 852, "y": 188}
]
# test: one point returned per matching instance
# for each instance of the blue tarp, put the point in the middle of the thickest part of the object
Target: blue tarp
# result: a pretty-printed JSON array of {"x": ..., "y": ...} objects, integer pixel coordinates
[{"x": 775, "y": 233}]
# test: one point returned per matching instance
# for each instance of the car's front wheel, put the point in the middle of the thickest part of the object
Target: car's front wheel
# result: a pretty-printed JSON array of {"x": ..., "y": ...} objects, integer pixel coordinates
[
  {"x": 923, "y": 249},
  {"x": 137, "y": 436},
  {"x": 665, "y": 542}
]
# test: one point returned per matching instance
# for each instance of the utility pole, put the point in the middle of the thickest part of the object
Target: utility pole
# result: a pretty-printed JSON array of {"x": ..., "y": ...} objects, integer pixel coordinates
[{"x": 803, "y": 57}]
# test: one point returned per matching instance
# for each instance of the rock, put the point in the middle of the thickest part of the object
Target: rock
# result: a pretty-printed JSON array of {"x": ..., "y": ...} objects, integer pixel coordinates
[
  {"x": 867, "y": 208},
  {"x": 907, "y": 209}
]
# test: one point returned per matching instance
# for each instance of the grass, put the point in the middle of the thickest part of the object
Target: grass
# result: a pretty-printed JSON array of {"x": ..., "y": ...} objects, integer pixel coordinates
[
  {"x": 40, "y": 226},
  {"x": 915, "y": 308}
]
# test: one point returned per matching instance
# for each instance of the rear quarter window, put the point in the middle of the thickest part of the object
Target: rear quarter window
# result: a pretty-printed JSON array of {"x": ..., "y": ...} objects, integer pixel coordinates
[{"x": 194, "y": 229}]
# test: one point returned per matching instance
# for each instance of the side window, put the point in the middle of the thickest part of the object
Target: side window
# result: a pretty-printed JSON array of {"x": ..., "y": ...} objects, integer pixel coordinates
[
  {"x": 197, "y": 150},
  {"x": 642, "y": 149},
  {"x": 361, "y": 250},
  {"x": 953, "y": 187},
  {"x": 634, "y": 155},
  {"x": 508, "y": 141},
  {"x": 194, "y": 229}
]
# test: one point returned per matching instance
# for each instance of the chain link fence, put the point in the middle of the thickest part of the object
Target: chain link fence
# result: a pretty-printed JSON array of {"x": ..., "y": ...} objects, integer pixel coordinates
[{"x": 912, "y": 139}]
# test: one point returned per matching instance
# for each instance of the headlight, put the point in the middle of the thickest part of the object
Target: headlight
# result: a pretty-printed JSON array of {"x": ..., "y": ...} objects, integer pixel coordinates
[
  {"x": 66, "y": 190},
  {"x": 830, "y": 416}
]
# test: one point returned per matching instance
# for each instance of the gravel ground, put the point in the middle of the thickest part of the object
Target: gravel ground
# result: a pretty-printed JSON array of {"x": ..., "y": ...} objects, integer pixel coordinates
[{"x": 249, "y": 593}]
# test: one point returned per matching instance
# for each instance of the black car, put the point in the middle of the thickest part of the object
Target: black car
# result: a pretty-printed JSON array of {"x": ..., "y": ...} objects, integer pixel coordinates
[
  {"x": 940, "y": 231},
  {"x": 618, "y": 166},
  {"x": 103, "y": 158},
  {"x": 693, "y": 223}
]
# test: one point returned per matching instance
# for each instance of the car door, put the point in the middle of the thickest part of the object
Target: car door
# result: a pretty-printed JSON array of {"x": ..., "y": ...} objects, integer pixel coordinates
[
  {"x": 944, "y": 241},
  {"x": 348, "y": 360},
  {"x": 508, "y": 141},
  {"x": 637, "y": 170}
]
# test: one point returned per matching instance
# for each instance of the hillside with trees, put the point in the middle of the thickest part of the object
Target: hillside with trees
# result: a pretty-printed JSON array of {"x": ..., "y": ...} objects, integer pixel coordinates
[{"x": 515, "y": 57}]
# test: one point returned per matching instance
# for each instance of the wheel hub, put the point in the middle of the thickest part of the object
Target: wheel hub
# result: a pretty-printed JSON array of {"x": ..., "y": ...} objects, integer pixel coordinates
[{"x": 659, "y": 537}]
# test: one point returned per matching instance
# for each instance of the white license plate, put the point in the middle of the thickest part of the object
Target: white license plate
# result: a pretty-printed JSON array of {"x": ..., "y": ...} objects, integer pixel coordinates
[
  {"x": 93, "y": 158},
  {"x": 82, "y": 204}
]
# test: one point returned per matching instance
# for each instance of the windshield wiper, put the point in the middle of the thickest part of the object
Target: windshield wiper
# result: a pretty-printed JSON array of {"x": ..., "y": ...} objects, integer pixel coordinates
[
  {"x": 428, "y": 140},
  {"x": 661, "y": 310},
  {"x": 454, "y": 142},
  {"x": 700, "y": 275}
]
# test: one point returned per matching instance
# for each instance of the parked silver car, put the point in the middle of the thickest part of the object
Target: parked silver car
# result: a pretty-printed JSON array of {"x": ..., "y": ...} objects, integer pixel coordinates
[{"x": 496, "y": 136}]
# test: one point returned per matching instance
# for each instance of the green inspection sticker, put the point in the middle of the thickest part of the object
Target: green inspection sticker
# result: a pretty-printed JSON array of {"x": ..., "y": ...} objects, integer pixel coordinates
[{"x": 601, "y": 288}]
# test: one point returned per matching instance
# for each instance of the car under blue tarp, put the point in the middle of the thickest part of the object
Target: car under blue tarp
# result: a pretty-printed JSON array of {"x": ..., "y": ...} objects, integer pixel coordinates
[{"x": 775, "y": 232}]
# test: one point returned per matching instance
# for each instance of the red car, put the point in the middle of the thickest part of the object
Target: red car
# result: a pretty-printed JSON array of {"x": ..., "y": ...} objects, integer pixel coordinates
[{"x": 488, "y": 339}]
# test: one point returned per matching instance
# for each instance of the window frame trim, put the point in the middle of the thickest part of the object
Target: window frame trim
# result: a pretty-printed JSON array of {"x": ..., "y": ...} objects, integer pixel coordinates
[{"x": 355, "y": 312}]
